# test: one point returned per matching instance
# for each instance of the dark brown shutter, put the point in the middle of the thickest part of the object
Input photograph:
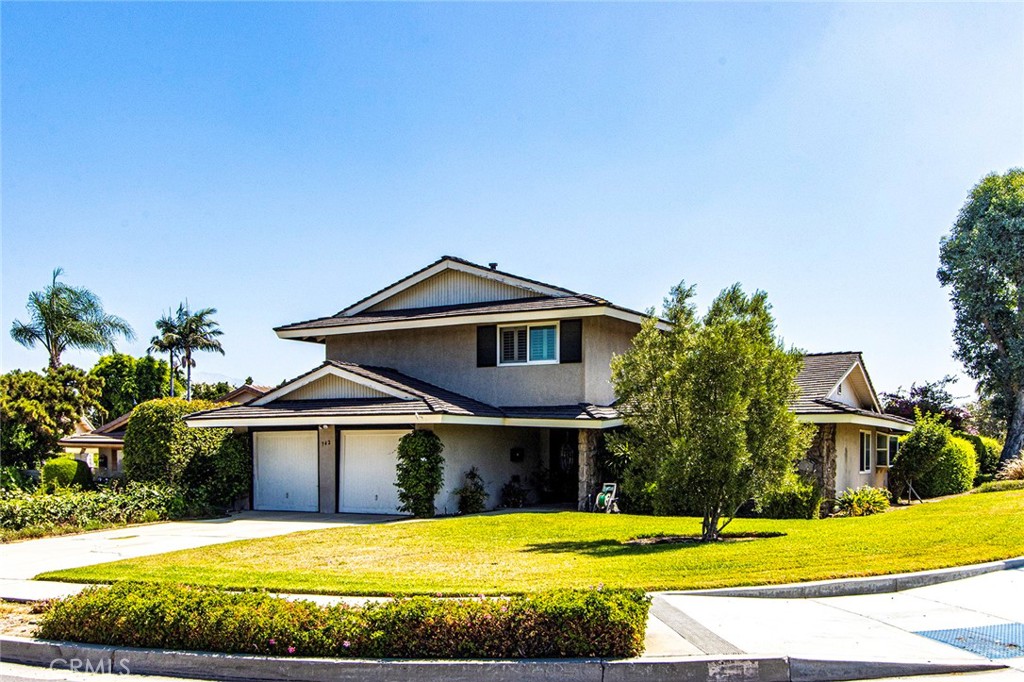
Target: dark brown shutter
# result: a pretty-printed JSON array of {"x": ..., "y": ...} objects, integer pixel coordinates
[
  {"x": 570, "y": 342},
  {"x": 487, "y": 346}
]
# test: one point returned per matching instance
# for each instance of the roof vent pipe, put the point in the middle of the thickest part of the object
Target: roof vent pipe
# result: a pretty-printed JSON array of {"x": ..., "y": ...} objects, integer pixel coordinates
[{"x": 493, "y": 266}]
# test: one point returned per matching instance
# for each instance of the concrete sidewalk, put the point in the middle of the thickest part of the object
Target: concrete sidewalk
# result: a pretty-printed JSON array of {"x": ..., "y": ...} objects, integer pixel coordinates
[{"x": 865, "y": 627}]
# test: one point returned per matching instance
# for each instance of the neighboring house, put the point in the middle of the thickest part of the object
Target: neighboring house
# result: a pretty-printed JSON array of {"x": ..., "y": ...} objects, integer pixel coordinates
[
  {"x": 855, "y": 442},
  {"x": 102, "y": 448},
  {"x": 512, "y": 374}
]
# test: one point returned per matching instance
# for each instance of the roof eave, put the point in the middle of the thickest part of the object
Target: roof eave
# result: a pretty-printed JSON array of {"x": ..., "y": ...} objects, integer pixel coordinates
[{"x": 315, "y": 334}]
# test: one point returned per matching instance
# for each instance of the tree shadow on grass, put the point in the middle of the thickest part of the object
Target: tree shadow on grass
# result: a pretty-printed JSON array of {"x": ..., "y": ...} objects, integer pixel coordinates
[{"x": 610, "y": 547}]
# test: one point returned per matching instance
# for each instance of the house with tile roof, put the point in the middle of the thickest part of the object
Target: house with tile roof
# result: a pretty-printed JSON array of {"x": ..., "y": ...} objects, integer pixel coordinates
[{"x": 513, "y": 374}]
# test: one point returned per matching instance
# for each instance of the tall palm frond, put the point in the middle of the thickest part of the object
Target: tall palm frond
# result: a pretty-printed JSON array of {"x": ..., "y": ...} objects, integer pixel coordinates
[{"x": 64, "y": 316}]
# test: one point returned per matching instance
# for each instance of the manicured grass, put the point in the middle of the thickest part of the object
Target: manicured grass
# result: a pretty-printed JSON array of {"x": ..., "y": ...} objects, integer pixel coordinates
[{"x": 521, "y": 552}]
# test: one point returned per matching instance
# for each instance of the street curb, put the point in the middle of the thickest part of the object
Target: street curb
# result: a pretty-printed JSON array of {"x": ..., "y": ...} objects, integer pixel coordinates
[
  {"x": 114, "y": 660},
  {"x": 845, "y": 587}
]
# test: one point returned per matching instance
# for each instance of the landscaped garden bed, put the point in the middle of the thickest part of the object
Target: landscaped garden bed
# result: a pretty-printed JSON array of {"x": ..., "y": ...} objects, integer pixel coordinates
[
  {"x": 528, "y": 552},
  {"x": 65, "y": 510},
  {"x": 557, "y": 624}
]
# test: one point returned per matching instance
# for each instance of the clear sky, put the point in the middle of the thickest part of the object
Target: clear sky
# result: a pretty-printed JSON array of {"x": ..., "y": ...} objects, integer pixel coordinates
[{"x": 279, "y": 161}]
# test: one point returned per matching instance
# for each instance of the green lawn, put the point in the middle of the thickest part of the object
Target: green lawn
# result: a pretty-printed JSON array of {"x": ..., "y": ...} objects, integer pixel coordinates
[{"x": 507, "y": 553}]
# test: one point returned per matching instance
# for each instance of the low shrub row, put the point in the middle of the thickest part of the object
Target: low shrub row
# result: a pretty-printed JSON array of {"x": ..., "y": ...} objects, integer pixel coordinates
[
  {"x": 78, "y": 509},
  {"x": 794, "y": 499},
  {"x": 999, "y": 486},
  {"x": 557, "y": 624}
]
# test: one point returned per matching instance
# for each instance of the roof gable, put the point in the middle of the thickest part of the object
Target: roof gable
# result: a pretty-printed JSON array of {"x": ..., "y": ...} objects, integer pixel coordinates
[
  {"x": 453, "y": 281},
  {"x": 331, "y": 382},
  {"x": 836, "y": 377}
]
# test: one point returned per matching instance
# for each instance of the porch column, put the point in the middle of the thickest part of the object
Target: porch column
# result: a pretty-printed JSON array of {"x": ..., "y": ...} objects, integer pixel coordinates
[
  {"x": 587, "y": 465},
  {"x": 325, "y": 463}
]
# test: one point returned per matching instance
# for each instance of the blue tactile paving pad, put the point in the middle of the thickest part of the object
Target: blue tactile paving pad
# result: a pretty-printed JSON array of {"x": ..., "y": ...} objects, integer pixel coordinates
[{"x": 990, "y": 641}]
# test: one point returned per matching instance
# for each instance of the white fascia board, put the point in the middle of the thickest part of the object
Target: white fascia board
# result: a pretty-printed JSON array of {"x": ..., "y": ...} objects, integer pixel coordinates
[
  {"x": 858, "y": 419},
  {"x": 483, "y": 318},
  {"x": 867, "y": 382},
  {"x": 336, "y": 371},
  {"x": 311, "y": 420}
]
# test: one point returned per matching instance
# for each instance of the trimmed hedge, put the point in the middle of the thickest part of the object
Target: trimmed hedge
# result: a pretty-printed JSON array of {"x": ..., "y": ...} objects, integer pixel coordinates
[
  {"x": 999, "y": 486},
  {"x": 420, "y": 472},
  {"x": 213, "y": 465},
  {"x": 134, "y": 503},
  {"x": 65, "y": 472},
  {"x": 558, "y": 624},
  {"x": 794, "y": 499},
  {"x": 952, "y": 472},
  {"x": 987, "y": 451}
]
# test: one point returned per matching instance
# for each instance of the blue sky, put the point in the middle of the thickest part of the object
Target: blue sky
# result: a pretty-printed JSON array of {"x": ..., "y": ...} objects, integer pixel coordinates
[{"x": 279, "y": 161}]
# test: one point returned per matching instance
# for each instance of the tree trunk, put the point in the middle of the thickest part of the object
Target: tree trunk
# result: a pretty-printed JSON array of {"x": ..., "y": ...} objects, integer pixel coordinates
[
  {"x": 188, "y": 378},
  {"x": 1014, "y": 430},
  {"x": 171, "y": 391}
]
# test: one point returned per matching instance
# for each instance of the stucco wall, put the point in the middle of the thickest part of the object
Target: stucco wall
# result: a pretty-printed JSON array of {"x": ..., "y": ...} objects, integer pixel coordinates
[
  {"x": 603, "y": 337},
  {"x": 447, "y": 357},
  {"x": 486, "y": 448},
  {"x": 848, "y": 473}
]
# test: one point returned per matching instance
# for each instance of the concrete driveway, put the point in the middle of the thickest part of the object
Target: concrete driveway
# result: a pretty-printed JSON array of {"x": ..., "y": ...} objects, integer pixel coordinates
[{"x": 26, "y": 559}]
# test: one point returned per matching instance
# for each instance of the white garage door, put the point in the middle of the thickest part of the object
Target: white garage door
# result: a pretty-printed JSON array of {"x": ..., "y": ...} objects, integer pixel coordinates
[
  {"x": 285, "y": 474},
  {"x": 367, "y": 475}
]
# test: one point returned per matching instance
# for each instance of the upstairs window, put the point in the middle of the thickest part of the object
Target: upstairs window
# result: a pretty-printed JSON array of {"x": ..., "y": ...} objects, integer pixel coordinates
[{"x": 528, "y": 344}]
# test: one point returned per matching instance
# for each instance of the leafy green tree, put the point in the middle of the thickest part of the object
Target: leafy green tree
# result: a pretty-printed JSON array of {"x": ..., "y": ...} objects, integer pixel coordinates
[
  {"x": 919, "y": 452},
  {"x": 987, "y": 422},
  {"x": 128, "y": 381},
  {"x": 120, "y": 388},
  {"x": 705, "y": 404},
  {"x": 982, "y": 263},
  {"x": 63, "y": 316},
  {"x": 152, "y": 378},
  {"x": 210, "y": 391},
  {"x": 37, "y": 410}
]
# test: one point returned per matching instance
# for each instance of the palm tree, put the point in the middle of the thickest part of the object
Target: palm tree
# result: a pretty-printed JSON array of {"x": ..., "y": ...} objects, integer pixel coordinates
[
  {"x": 185, "y": 333},
  {"x": 64, "y": 316},
  {"x": 168, "y": 340}
]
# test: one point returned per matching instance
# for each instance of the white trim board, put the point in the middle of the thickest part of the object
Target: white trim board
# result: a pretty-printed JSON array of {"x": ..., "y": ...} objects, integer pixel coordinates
[
  {"x": 320, "y": 333},
  {"x": 404, "y": 419},
  {"x": 861, "y": 420}
]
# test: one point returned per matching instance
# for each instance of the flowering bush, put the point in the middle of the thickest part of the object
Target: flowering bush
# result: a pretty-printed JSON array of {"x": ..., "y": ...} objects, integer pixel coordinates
[{"x": 558, "y": 624}]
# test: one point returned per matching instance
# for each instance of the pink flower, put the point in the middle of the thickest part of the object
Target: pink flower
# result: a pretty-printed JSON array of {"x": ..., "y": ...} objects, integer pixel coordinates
[
  {"x": 346, "y": 644},
  {"x": 272, "y": 642},
  {"x": 291, "y": 650},
  {"x": 504, "y": 609}
]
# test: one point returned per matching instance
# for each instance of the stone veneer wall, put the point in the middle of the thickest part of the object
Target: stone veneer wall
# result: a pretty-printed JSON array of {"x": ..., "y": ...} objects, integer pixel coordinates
[{"x": 819, "y": 464}]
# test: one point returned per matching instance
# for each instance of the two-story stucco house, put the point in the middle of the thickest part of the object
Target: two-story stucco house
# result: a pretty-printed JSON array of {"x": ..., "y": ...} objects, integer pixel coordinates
[{"x": 511, "y": 373}]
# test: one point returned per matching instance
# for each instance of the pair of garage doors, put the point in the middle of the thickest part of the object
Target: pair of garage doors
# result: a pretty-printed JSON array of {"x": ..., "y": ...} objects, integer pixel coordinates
[{"x": 286, "y": 471}]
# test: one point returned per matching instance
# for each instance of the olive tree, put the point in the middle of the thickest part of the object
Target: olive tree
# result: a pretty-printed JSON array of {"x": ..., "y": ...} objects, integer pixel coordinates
[
  {"x": 705, "y": 403},
  {"x": 982, "y": 263}
]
